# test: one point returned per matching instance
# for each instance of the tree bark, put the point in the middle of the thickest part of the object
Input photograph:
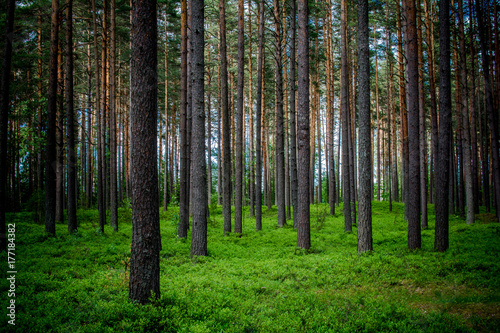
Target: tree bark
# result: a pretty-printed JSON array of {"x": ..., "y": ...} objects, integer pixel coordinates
[
  {"x": 50, "y": 159},
  {"x": 492, "y": 116},
  {"x": 464, "y": 107},
  {"x": 199, "y": 171},
  {"x": 344, "y": 100},
  {"x": 280, "y": 141},
  {"x": 184, "y": 152},
  {"x": 71, "y": 159},
  {"x": 146, "y": 240},
  {"x": 413, "y": 199},
  {"x": 293, "y": 126},
  {"x": 226, "y": 127},
  {"x": 112, "y": 125},
  {"x": 422, "y": 130},
  {"x": 238, "y": 201},
  {"x": 442, "y": 171},
  {"x": 365, "y": 242},
  {"x": 303, "y": 221},
  {"x": 258, "y": 116}
]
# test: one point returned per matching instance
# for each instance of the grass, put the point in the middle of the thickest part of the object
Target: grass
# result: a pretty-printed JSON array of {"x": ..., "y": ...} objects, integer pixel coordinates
[{"x": 260, "y": 281}]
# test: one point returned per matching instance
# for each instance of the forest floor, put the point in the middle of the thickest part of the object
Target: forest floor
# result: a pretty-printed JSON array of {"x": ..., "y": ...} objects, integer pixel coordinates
[{"x": 259, "y": 281}]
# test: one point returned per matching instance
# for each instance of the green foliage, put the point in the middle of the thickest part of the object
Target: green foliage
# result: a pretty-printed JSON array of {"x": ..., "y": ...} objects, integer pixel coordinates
[{"x": 259, "y": 281}]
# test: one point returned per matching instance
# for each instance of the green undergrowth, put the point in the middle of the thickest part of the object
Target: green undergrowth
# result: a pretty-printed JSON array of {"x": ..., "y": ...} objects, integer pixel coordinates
[{"x": 260, "y": 281}]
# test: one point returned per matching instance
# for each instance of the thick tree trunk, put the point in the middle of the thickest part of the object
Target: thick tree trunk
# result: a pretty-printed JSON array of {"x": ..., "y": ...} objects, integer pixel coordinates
[
  {"x": 422, "y": 130},
  {"x": 442, "y": 170},
  {"x": 146, "y": 240},
  {"x": 238, "y": 201},
  {"x": 199, "y": 171},
  {"x": 71, "y": 158},
  {"x": 365, "y": 242},
  {"x": 413, "y": 199},
  {"x": 293, "y": 126}
]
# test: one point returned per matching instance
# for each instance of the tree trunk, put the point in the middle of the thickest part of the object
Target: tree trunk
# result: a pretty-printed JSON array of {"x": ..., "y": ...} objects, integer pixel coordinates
[
  {"x": 472, "y": 111},
  {"x": 97, "y": 111},
  {"x": 442, "y": 170},
  {"x": 432, "y": 86},
  {"x": 464, "y": 107},
  {"x": 403, "y": 110},
  {"x": 492, "y": 116},
  {"x": 413, "y": 199},
  {"x": 71, "y": 159},
  {"x": 166, "y": 189},
  {"x": 303, "y": 221},
  {"x": 4, "y": 121},
  {"x": 344, "y": 100},
  {"x": 50, "y": 159},
  {"x": 112, "y": 125},
  {"x": 238, "y": 202},
  {"x": 146, "y": 240},
  {"x": 422, "y": 130},
  {"x": 280, "y": 140},
  {"x": 293, "y": 126},
  {"x": 199, "y": 171},
  {"x": 258, "y": 116},
  {"x": 379, "y": 178},
  {"x": 365, "y": 242},
  {"x": 184, "y": 152},
  {"x": 60, "y": 138},
  {"x": 250, "y": 112},
  {"x": 226, "y": 149}
]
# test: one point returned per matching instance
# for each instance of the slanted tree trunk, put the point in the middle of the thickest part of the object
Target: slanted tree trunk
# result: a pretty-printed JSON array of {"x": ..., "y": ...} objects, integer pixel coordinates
[
  {"x": 365, "y": 242},
  {"x": 346, "y": 118},
  {"x": 50, "y": 159},
  {"x": 413, "y": 199},
  {"x": 4, "y": 121},
  {"x": 442, "y": 170},
  {"x": 146, "y": 240},
  {"x": 303, "y": 221},
  {"x": 184, "y": 152},
  {"x": 199, "y": 171},
  {"x": 238, "y": 201},
  {"x": 71, "y": 158}
]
